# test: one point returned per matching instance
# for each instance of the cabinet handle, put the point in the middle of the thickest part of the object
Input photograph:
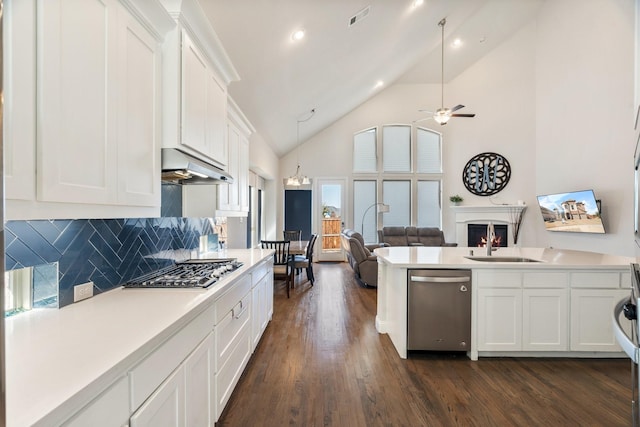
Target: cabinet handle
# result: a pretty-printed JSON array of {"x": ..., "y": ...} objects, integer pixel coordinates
[{"x": 242, "y": 310}]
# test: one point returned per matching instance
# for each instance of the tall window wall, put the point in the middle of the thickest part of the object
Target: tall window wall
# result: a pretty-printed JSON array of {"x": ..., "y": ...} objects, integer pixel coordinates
[{"x": 400, "y": 166}]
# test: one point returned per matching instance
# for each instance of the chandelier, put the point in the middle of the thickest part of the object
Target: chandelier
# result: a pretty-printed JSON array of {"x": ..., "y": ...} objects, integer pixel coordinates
[{"x": 298, "y": 179}]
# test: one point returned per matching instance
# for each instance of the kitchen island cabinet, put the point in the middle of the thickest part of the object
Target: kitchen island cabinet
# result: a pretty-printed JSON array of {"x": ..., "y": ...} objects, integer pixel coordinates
[
  {"x": 135, "y": 354},
  {"x": 558, "y": 305}
]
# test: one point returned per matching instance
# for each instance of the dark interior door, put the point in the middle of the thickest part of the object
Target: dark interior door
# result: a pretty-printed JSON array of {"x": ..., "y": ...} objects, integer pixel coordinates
[{"x": 297, "y": 211}]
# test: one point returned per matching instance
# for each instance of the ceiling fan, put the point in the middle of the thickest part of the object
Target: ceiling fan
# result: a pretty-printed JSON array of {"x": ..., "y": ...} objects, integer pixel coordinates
[{"x": 442, "y": 114}]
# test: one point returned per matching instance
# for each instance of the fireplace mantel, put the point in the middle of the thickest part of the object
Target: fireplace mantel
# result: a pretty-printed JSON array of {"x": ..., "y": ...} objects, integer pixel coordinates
[{"x": 483, "y": 214}]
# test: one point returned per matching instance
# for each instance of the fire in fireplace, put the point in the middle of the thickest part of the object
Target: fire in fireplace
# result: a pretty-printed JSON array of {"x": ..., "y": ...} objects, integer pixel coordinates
[{"x": 477, "y": 235}]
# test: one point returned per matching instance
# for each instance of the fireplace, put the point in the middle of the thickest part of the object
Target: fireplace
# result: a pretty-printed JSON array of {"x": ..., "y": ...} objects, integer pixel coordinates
[
  {"x": 477, "y": 235},
  {"x": 500, "y": 215}
]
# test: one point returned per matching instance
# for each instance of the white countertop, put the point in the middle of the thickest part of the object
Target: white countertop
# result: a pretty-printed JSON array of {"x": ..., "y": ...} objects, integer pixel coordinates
[
  {"x": 52, "y": 355},
  {"x": 454, "y": 257}
]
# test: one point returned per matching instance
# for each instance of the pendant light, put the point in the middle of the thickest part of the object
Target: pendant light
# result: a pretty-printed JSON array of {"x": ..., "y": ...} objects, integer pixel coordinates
[{"x": 297, "y": 180}]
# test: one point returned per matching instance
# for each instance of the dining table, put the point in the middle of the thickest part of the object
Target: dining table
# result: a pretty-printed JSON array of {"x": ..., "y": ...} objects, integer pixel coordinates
[{"x": 298, "y": 247}]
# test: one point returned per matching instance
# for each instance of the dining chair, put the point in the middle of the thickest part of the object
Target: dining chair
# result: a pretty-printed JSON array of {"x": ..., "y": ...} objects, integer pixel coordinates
[
  {"x": 282, "y": 260},
  {"x": 306, "y": 261},
  {"x": 292, "y": 234}
]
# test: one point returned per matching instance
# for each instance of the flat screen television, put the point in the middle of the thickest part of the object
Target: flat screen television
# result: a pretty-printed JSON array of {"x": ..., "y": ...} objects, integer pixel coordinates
[{"x": 575, "y": 211}]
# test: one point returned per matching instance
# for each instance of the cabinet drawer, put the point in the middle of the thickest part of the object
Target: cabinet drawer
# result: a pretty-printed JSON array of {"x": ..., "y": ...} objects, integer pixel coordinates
[
  {"x": 595, "y": 279},
  {"x": 229, "y": 300},
  {"x": 499, "y": 279},
  {"x": 152, "y": 371},
  {"x": 259, "y": 273},
  {"x": 547, "y": 279},
  {"x": 228, "y": 330},
  {"x": 228, "y": 375}
]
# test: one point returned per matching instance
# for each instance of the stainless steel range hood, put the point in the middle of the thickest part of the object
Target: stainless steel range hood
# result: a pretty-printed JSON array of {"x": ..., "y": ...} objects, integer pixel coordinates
[{"x": 182, "y": 168}]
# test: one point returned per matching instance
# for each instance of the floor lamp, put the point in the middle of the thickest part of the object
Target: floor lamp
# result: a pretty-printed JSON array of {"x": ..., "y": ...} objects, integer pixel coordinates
[{"x": 381, "y": 208}]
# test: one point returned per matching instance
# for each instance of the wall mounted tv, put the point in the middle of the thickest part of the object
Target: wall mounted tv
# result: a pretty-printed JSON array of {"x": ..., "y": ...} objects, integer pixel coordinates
[{"x": 576, "y": 211}]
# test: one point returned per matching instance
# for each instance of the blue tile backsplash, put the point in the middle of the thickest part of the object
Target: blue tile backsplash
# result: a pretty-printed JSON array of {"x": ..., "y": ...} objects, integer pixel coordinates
[{"x": 106, "y": 251}]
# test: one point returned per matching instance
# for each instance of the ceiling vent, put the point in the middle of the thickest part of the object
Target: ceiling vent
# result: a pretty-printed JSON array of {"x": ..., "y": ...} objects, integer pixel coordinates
[{"x": 359, "y": 16}]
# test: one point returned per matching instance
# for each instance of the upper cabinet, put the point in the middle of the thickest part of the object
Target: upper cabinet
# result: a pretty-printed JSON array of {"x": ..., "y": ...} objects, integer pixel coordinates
[
  {"x": 197, "y": 72},
  {"x": 91, "y": 134}
]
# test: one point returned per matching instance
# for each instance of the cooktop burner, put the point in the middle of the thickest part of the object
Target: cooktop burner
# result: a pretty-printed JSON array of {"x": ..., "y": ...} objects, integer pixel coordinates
[{"x": 188, "y": 274}]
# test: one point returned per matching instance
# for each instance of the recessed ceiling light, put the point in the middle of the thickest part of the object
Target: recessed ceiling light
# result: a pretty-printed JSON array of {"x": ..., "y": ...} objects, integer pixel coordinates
[
  {"x": 456, "y": 43},
  {"x": 297, "y": 35},
  {"x": 417, "y": 3},
  {"x": 379, "y": 83}
]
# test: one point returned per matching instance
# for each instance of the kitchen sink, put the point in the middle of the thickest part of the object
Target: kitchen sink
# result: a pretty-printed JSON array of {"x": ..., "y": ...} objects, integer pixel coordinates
[{"x": 501, "y": 259}]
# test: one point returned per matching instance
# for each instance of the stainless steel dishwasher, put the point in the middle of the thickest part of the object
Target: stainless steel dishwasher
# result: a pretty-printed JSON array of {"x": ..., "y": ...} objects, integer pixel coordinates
[{"x": 439, "y": 310}]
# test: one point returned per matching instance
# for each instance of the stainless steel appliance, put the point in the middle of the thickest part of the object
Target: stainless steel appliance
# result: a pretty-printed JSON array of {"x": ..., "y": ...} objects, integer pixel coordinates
[
  {"x": 439, "y": 310},
  {"x": 630, "y": 344},
  {"x": 188, "y": 274}
]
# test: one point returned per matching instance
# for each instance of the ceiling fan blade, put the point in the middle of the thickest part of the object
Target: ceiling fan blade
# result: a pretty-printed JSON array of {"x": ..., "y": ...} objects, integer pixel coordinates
[
  {"x": 457, "y": 107},
  {"x": 463, "y": 115},
  {"x": 423, "y": 119},
  {"x": 425, "y": 111}
]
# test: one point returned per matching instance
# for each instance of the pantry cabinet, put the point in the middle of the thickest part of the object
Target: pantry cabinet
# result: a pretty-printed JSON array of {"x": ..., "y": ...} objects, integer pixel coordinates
[{"x": 93, "y": 126}]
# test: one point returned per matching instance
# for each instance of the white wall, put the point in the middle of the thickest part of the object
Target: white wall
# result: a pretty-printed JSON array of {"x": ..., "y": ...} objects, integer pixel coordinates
[
  {"x": 556, "y": 100},
  {"x": 585, "y": 117}
]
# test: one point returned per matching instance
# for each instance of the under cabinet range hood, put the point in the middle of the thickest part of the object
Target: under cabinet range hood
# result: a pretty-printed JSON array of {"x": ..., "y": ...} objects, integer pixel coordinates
[{"x": 182, "y": 168}]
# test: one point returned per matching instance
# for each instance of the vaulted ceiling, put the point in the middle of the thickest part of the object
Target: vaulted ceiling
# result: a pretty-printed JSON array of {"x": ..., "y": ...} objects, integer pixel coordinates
[{"x": 336, "y": 67}]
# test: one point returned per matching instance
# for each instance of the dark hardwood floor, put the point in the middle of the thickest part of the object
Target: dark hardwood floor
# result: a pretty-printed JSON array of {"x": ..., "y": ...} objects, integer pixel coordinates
[{"x": 322, "y": 363}]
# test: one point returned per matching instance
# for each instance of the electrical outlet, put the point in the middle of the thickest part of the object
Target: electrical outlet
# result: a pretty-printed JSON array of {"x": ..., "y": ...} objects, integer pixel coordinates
[{"x": 83, "y": 291}]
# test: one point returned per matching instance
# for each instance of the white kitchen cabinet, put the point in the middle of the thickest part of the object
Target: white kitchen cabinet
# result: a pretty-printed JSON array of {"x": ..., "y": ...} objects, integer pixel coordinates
[
  {"x": 204, "y": 101},
  {"x": 261, "y": 301},
  {"x": 591, "y": 319},
  {"x": 233, "y": 339},
  {"x": 544, "y": 320},
  {"x": 196, "y": 73},
  {"x": 166, "y": 406},
  {"x": 499, "y": 319},
  {"x": 233, "y": 199},
  {"x": 199, "y": 390},
  {"x": 109, "y": 409},
  {"x": 93, "y": 126}
]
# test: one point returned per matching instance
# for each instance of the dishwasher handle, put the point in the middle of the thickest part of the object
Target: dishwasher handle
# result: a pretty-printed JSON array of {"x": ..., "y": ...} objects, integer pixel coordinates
[
  {"x": 434, "y": 279},
  {"x": 623, "y": 339}
]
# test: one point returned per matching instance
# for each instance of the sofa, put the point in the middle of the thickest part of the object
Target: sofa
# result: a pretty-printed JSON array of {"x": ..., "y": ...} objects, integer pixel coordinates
[
  {"x": 412, "y": 236},
  {"x": 360, "y": 257}
]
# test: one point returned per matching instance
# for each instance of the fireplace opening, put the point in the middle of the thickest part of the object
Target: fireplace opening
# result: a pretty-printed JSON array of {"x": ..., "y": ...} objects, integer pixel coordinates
[{"x": 477, "y": 235}]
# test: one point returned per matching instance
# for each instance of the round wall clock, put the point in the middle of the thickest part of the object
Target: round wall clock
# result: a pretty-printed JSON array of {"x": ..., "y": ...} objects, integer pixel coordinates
[{"x": 486, "y": 174}]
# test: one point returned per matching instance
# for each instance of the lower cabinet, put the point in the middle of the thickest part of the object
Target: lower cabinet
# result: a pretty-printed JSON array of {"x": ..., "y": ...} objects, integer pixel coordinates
[
  {"x": 165, "y": 407},
  {"x": 109, "y": 409},
  {"x": 547, "y": 311},
  {"x": 262, "y": 298}
]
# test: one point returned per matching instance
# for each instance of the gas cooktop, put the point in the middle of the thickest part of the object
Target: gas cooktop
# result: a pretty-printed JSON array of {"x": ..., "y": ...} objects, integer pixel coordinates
[{"x": 188, "y": 274}]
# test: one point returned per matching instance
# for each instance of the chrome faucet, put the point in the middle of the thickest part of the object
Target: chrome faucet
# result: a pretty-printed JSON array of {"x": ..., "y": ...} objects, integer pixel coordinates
[{"x": 491, "y": 235}]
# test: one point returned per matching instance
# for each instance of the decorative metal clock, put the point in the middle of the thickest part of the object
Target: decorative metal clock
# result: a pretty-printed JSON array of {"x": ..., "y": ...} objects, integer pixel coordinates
[{"x": 486, "y": 174}]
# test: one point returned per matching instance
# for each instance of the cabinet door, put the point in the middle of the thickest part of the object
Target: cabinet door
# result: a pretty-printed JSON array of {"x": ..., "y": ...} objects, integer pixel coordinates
[
  {"x": 19, "y": 86},
  {"x": 591, "y": 311},
  {"x": 76, "y": 138},
  {"x": 499, "y": 319},
  {"x": 228, "y": 193},
  {"x": 216, "y": 125},
  {"x": 545, "y": 320},
  {"x": 195, "y": 79},
  {"x": 199, "y": 372},
  {"x": 138, "y": 115},
  {"x": 165, "y": 407},
  {"x": 243, "y": 173}
]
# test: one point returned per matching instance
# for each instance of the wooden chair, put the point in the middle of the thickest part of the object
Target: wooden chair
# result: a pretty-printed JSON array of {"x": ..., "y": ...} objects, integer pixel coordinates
[
  {"x": 306, "y": 261},
  {"x": 292, "y": 234},
  {"x": 282, "y": 260}
]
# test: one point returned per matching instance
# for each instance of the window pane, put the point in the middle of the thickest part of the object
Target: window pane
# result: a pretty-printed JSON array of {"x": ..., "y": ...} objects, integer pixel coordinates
[
  {"x": 429, "y": 159},
  {"x": 396, "y": 148},
  {"x": 397, "y": 194},
  {"x": 364, "y": 151},
  {"x": 364, "y": 195},
  {"x": 429, "y": 204}
]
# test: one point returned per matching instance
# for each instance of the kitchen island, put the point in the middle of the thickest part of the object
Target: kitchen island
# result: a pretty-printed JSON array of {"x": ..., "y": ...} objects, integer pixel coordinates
[
  {"x": 115, "y": 358},
  {"x": 554, "y": 302}
]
